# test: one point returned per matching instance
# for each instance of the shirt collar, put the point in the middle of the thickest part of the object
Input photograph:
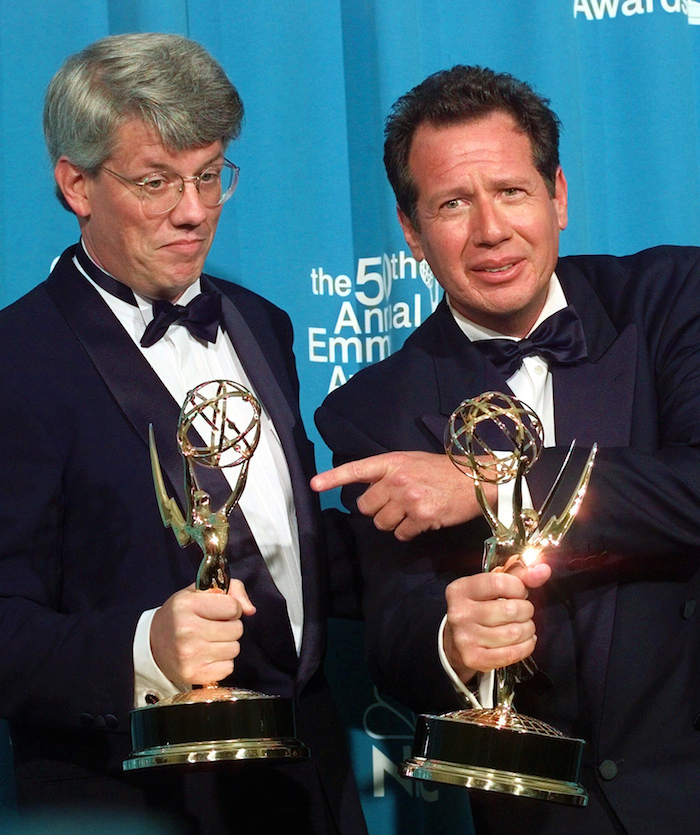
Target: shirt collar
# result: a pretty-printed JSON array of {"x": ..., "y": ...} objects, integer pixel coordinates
[
  {"x": 143, "y": 303},
  {"x": 556, "y": 300}
]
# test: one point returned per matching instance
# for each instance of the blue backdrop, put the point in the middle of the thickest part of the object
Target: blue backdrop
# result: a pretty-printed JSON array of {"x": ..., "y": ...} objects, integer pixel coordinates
[{"x": 312, "y": 225}]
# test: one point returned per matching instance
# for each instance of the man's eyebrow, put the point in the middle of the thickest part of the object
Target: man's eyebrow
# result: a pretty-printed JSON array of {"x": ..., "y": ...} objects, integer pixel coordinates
[
  {"x": 156, "y": 165},
  {"x": 508, "y": 180},
  {"x": 219, "y": 156}
]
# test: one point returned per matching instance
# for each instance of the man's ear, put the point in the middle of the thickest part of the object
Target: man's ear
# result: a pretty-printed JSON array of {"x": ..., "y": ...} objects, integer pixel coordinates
[
  {"x": 412, "y": 237},
  {"x": 72, "y": 182},
  {"x": 560, "y": 199}
]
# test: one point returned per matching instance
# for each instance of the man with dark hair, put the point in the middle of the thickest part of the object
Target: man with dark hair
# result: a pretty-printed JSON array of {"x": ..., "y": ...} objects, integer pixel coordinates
[
  {"x": 98, "y": 612},
  {"x": 605, "y": 350}
]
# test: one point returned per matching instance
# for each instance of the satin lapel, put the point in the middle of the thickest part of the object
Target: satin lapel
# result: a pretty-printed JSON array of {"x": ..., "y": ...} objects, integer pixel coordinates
[
  {"x": 594, "y": 401},
  {"x": 137, "y": 389},
  {"x": 270, "y": 601},
  {"x": 461, "y": 371},
  {"x": 270, "y": 625},
  {"x": 257, "y": 366}
]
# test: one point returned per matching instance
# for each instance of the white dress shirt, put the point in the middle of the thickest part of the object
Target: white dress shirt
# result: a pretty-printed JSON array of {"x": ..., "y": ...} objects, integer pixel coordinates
[
  {"x": 531, "y": 383},
  {"x": 182, "y": 362}
]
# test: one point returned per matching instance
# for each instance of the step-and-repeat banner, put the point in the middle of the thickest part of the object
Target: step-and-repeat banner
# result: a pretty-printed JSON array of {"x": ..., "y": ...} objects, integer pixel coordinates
[{"x": 312, "y": 225}]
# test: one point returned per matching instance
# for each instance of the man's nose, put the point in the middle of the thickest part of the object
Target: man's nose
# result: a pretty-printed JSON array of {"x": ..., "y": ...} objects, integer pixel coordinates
[
  {"x": 490, "y": 225},
  {"x": 190, "y": 210}
]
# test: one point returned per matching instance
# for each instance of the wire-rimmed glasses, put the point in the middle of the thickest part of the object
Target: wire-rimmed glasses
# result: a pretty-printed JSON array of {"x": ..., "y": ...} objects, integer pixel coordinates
[{"x": 161, "y": 191}]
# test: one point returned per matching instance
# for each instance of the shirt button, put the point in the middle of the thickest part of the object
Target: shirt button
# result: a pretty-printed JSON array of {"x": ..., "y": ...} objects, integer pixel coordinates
[
  {"x": 539, "y": 369},
  {"x": 688, "y": 609},
  {"x": 607, "y": 770}
]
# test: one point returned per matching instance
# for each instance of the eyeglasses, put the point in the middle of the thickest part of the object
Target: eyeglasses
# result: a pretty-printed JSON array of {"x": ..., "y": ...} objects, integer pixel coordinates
[{"x": 161, "y": 192}]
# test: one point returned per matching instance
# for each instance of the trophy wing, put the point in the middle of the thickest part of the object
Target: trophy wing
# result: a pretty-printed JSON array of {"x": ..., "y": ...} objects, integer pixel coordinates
[
  {"x": 555, "y": 528},
  {"x": 169, "y": 510},
  {"x": 557, "y": 481}
]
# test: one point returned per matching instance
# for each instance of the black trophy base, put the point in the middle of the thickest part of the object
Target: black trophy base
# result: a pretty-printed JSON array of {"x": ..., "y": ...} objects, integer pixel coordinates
[
  {"x": 214, "y": 724},
  {"x": 498, "y": 750}
]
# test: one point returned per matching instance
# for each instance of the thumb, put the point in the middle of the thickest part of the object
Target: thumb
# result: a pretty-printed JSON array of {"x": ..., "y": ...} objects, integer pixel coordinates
[
  {"x": 237, "y": 589},
  {"x": 537, "y": 575}
]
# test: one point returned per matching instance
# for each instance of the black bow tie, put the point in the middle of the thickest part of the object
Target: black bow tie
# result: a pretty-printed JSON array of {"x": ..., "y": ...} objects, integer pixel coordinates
[
  {"x": 201, "y": 317},
  {"x": 559, "y": 340}
]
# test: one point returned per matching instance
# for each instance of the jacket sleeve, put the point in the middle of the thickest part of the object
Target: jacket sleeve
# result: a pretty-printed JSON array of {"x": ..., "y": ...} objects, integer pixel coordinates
[{"x": 56, "y": 667}]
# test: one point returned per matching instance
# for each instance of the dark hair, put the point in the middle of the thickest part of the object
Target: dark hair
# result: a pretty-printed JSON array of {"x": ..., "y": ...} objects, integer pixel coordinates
[{"x": 460, "y": 95}]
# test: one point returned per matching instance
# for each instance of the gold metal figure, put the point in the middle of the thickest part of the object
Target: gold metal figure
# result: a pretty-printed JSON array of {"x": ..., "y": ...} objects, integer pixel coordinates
[
  {"x": 229, "y": 446},
  {"x": 518, "y": 428}
]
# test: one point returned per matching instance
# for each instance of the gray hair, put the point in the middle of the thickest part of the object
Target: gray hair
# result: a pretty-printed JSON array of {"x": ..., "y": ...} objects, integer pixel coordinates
[{"x": 166, "y": 81}]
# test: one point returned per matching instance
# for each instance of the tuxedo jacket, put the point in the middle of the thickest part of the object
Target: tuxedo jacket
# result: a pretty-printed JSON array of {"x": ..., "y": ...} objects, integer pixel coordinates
[
  {"x": 83, "y": 552},
  {"x": 618, "y": 630}
]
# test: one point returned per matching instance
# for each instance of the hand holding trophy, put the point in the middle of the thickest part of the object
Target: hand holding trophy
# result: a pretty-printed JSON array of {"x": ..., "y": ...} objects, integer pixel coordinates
[
  {"x": 211, "y": 723},
  {"x": 497, "y": 749}
]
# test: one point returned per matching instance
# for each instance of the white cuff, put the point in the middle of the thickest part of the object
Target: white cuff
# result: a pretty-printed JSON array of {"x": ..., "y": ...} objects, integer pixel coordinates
[
  {"x": 457, "y": 682},
  {"x": 149, "y": 679},
  {"x": 486, "y": 685}
]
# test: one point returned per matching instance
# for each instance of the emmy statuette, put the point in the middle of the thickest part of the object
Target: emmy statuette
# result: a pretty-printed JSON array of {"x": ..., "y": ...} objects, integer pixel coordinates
[
  {"x": 212, "y": 723},
  {"x": 498, "y": 749}
]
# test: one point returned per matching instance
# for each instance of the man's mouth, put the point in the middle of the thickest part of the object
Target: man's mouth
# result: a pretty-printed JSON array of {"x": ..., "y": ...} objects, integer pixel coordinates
[{"x": 497, "y": 269}]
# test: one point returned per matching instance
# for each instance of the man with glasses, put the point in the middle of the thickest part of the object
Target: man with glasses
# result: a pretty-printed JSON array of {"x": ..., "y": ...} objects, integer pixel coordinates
[{"x": 98, "y": 613}]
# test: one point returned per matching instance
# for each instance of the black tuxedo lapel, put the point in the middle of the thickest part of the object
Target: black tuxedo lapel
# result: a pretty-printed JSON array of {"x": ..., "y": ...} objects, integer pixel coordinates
[
  {"x": 461, "y": 370},
  {"x": 585, "y": 395},
  {"x": 595, "y": 403},
  {"x": 137, "y": 389},
  {"x": 140, "y": 394},
  {"x": 270, "y": 601},
  {"x": 256, "y": 364},
  {"x": 279, "y": 399}
]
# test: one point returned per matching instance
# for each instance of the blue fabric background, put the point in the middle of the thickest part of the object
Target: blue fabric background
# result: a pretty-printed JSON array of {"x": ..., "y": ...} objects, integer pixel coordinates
[{"x": 312, "y": 225}]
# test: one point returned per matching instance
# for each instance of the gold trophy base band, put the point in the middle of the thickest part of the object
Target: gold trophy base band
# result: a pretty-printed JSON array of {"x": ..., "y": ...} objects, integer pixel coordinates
[
  {"x": 219, "y": 751},
  {"x": 214, "y": 724},
  {"x": 505, "y": 782},
  {"x": 497, "y": 749}
]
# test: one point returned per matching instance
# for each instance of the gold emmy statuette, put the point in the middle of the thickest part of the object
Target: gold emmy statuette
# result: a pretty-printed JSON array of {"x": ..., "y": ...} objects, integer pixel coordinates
[
  {"x": 498, "y": 749},
  {"x": 212, "y": 723}
]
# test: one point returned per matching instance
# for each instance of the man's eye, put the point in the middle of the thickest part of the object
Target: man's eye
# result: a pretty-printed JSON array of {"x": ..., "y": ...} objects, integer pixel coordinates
[
  {"x": 156, "y": 184},
  {"x": 451, "y": 204},
  {"x": 512, "y": 192},
  {"x": 209, "y": 177}
]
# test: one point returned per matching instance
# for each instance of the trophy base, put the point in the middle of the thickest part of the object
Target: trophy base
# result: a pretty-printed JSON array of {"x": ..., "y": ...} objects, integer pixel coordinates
[
  {"x": 498, "y": 750},
  {"x": 214, "y": 724}
]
